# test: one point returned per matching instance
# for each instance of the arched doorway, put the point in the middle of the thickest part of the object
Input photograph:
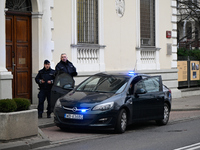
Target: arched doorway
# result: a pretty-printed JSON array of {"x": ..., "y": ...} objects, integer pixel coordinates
[{"x": 18, "y": 46}]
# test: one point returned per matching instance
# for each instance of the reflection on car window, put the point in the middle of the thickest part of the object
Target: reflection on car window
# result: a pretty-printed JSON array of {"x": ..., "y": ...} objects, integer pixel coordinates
[
  {"x": 113, "y": 84},
  {"x": 122, "y": 88},
  {"x": 64, "y": 80},
  {"x": 149, "y": 84},
  {"x": 140, "y": 85}
]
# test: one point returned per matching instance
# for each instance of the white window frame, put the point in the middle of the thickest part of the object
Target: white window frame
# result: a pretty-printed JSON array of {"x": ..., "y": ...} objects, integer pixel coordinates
[
  {"x": 88, "y": 67},
  {"x": 140, "y": 65},
  {"x": 88, "y": 25}
]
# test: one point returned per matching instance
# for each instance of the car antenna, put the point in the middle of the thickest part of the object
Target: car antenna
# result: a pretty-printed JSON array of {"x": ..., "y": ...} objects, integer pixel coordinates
[{"x": 135, "y": 68}]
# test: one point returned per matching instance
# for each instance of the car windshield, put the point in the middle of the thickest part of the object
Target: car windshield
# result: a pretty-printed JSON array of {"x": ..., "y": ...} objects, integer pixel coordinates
[{"x": 106, "y": 84}]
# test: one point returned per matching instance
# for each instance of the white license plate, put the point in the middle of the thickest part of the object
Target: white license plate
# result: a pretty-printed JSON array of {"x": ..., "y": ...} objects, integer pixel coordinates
[{"x": 73, "y": 116}]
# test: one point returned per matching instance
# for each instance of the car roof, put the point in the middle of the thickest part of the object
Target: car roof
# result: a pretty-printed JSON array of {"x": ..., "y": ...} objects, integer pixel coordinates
[{"x": 124, "y": 74}]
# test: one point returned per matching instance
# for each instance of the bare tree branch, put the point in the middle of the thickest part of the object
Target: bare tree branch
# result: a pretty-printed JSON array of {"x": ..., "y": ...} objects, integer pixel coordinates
[{"x": 188, "y": 11}]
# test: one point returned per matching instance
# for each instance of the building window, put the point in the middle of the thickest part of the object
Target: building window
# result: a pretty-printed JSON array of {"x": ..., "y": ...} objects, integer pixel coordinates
[
  {"x": 147, "y": 22},
  {"x": 87, "y": 19},
  {"x": 19, "y": 5}
]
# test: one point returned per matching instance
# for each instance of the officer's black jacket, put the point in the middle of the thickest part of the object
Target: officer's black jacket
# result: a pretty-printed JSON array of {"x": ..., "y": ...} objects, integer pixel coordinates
[
  {"x": 46, "y": 75},
  {"x": 66, "y": 67}
]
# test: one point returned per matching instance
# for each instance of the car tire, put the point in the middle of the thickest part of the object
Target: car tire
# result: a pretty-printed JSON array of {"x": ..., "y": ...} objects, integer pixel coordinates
[
  {"x": 165, "y": 120},
  {"x": 121, "y": 122}
]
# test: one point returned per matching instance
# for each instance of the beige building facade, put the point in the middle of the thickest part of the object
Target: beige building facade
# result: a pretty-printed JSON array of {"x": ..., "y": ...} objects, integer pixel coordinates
[{"x": 96, "y": 35}]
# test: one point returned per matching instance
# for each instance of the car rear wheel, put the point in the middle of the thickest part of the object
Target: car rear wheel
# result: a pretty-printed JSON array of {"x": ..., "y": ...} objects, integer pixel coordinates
[
  {"x": 165, "y": 120},
  {"x": 121, "y": 122}
]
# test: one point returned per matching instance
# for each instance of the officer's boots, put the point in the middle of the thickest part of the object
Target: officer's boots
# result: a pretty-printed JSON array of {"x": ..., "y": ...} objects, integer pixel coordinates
[
  {"x": 48, "y": 115},
  {"x": 39, "y": 115}
]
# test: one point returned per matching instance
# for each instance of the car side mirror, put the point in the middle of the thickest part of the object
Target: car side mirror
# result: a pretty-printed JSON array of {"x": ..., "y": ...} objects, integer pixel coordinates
[
  {"x": 68, "y": 87},
  {"x": 140, "y": 91}
]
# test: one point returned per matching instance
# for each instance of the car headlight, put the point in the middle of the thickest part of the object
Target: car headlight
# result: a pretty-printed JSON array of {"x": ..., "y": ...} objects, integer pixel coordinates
[
  {"x": 104, "y": 106},
  {"x": 58, "y": 104}
]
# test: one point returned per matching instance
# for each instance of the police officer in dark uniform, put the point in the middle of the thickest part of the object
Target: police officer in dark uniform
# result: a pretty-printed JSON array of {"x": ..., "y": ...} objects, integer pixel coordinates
[
  {"x": 66, "y": 66},
  {"x": 45, "y": 79}
]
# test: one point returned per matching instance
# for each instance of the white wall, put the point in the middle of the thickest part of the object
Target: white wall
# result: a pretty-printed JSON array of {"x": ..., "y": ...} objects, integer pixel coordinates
[
  {"x": 62, "y": 33},
  {"x": 2, "y": 37},
  {"x": 120, "y": 36},
  {"x": 5, "y": 76},
  {"x": 165, "y": 24}
]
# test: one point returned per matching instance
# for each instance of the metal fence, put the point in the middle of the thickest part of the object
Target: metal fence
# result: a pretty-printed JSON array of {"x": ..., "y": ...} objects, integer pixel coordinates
[{"x": 188, "y": 72}]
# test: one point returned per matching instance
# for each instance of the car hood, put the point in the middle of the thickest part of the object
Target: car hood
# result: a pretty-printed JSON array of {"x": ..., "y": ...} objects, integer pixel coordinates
[{"x": 84, "y": 97}]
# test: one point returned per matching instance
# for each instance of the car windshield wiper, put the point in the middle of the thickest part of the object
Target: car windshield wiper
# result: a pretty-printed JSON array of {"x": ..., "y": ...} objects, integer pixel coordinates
[
  {"x": 85, "y": 90},
  {"x": 96, "y": 91},
  {"x": 103, "y": 91}
]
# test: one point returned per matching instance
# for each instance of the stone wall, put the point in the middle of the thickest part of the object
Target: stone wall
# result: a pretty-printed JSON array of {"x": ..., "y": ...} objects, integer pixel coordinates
[{"x": 20, "y": 124}]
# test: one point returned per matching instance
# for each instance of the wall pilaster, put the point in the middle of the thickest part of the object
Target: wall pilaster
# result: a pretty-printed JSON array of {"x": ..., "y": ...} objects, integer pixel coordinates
[
  {"x": 5, "y": 76},
  {"x": 174, "y": 34}
]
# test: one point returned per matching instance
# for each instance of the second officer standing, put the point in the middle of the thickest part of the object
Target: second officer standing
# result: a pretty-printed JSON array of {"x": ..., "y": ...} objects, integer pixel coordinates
[{"x": 45, "y": 79}]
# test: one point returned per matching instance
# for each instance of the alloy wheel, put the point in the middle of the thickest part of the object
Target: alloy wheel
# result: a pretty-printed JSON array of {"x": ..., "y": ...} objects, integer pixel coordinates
[
  {"x": 166, "y": 114},
  {"x": 123, "y": 121}
]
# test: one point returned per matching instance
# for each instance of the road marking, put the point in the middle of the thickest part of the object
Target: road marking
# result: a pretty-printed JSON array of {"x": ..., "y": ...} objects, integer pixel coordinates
[{"x": 190, "y": 147}]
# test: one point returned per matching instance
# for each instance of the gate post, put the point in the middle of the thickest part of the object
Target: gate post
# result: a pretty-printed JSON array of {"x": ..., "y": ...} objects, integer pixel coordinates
[{"x": 188, "y": 71}]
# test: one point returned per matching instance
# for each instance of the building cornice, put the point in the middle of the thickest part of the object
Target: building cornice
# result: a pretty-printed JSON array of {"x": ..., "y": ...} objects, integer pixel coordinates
[{"x": 37, "y": 14}]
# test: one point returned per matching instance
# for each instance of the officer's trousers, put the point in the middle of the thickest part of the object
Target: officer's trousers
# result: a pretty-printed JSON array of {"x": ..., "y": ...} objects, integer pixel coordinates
[{"x": 43, "y": 94}]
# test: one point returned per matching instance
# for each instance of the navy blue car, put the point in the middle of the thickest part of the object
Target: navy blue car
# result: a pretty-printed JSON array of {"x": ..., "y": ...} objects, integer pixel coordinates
[{"x": 114, "y": 100}]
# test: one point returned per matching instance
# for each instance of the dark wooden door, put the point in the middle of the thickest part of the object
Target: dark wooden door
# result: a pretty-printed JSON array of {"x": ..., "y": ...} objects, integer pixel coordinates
[{"x": 18, "y": 53}]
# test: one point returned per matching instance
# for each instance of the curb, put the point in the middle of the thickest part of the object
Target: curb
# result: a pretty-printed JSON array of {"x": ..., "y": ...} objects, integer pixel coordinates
[
  {"x": 69, "y": 141},
  {"x": 15, "y": 145},
  {"x": 185, "y": 109},
  {"x": 27, "y": 144},
  {"x": 46, "y": 125}
]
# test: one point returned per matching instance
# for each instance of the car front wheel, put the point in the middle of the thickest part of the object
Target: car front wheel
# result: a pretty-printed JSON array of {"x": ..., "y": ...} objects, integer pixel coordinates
[
  {"x": 165, "y": 120},
  {"x": 121, "y": 122}
]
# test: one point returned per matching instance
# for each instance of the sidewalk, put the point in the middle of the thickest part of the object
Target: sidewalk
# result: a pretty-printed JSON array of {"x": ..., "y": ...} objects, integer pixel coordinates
[
  {"x": 186, "y": 103},
  {"x": 46, "y": 125}
]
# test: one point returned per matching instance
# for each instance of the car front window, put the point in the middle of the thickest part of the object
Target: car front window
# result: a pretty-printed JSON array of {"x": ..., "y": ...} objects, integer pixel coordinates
[{"x": 107, "y": 84}]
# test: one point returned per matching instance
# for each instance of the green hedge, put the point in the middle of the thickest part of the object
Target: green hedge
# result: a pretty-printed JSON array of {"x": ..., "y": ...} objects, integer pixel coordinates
[
  {"x": 16, "y": 104},
  {"x": 7, "y": 105},
  {"x": 194, "y": 53},
  {"x": 22, "y": 104}
]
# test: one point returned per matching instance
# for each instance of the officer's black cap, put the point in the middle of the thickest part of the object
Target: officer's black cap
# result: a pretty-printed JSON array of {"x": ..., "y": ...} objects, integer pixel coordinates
[{"x": 46, "y": 62}]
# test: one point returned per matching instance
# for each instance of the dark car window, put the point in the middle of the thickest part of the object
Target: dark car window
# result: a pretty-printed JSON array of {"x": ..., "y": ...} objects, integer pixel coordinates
[
  {"x": 63, "y": 80},
  {"x": 149, "y": 85},
  {"x": 113, "y": 84},
  {"x": 133, "y": 82}
]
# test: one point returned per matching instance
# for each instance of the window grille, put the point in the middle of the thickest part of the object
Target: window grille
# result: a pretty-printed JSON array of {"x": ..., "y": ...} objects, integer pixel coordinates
[
  {"x": 192, "y": 3},
  {"x": 87, "y": 19},
  {"x": 19, "y": 5},
  {"x": 147, "y": 22}
]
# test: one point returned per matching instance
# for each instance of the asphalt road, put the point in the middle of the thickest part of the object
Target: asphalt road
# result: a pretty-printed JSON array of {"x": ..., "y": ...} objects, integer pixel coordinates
[{"x": 145, "y": 136}]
